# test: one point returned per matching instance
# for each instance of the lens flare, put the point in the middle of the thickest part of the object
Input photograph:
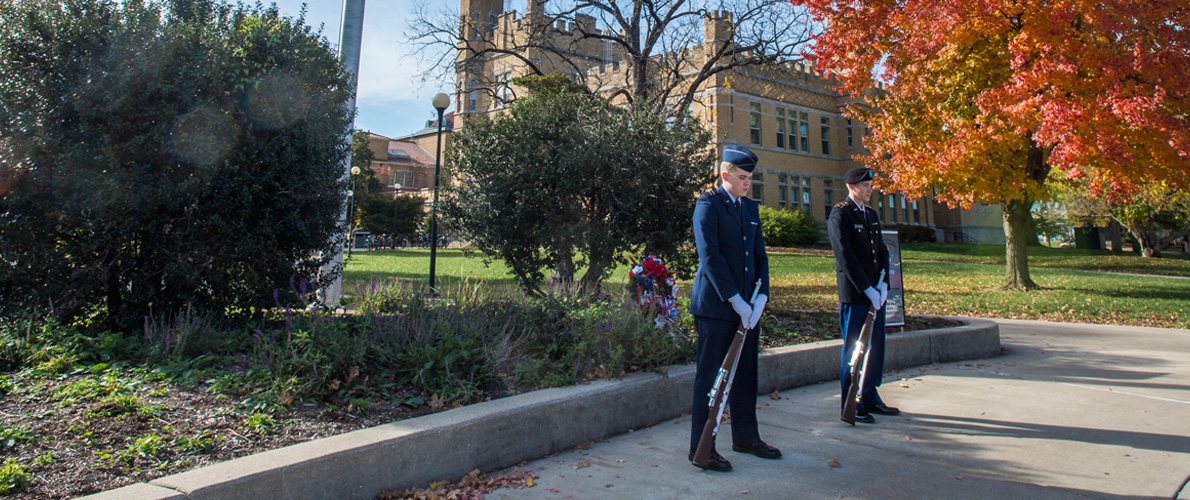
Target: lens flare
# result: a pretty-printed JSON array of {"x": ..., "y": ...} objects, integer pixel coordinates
[
  {"x": 276, "y": 100},
  {"x": 203, "y": 136}
]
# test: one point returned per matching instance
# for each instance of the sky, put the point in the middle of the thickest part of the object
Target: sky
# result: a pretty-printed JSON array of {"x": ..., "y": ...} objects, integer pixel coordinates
[{"x": 391, "y": 101}]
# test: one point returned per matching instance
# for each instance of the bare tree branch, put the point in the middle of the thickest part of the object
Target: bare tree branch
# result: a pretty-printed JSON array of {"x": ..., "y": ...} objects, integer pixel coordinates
[{"x": 643, "y": 50}]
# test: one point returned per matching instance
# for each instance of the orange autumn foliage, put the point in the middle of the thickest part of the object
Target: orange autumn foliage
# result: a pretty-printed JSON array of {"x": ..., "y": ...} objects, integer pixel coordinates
[{"x": 1096, "y": 89}]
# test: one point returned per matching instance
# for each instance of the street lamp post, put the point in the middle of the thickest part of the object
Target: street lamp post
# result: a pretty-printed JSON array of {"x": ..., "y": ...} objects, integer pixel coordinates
[
  {"x": 351, "y": 212},
  {"x": 440, "y": 102},
  {"x": 396, "y": 195}
]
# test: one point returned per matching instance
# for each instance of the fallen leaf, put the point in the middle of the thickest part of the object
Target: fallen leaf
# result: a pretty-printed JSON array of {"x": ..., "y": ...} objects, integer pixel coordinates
[
  {"x": 907, "y": 438},
  {"x": 528, "y": 482},
  {"x": 608, "y": 485},
  {"x": 584, "y": 446},
  {"x": 905, "y": 385},
  {"x": 743, "y": 492},
  {"x": 581, "y": 464},
  {"x": 834, "y": 464},
  {"x": 619, "y": 460},
  {"x": 775, "y": 396},
  {"x": 554, "y": 490},
  {"x": 960, "y": 478}
]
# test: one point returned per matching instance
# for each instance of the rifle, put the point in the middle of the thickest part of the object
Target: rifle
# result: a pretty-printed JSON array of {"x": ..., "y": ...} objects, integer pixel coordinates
[
  {"x": 859, "y": 368},
  {"x": 720, "y": 390}
]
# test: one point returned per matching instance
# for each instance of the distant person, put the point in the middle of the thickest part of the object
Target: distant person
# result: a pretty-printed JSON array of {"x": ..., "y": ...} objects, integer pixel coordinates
[
  {"x": 731, "y": 257},
  {"x": 860, "y": 255}
]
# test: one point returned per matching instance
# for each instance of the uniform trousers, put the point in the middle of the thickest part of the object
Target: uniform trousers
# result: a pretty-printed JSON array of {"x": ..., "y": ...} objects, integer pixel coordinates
[
  {"x": 851, "y": 319},
  {"x": 714, "y": 339}
]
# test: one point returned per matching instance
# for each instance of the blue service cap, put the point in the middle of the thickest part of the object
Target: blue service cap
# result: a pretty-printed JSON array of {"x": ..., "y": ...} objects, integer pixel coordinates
[
  {"x": 857, "y": 175},
  {"x": 740, "y": 157}
]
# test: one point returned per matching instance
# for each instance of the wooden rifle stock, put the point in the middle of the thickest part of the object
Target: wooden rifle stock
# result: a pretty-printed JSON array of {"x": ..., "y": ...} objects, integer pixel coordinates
[
  {"x": 859, "y": 363},
  {"x": 720, "y": 391}
]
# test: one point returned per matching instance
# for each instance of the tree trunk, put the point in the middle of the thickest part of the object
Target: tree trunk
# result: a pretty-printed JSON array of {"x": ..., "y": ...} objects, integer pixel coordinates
[
  {"x": 1146, "y": 238},
  {"x": 1113, "y": 232},
  {"x": 564, "y": 261},
  {"x": 1016, "y": 234},
  {"x": 592, "y": 283}
]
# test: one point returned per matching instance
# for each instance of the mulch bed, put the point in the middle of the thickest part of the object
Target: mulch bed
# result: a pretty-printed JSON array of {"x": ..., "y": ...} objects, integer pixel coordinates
[{"x": 89, "y": 441}]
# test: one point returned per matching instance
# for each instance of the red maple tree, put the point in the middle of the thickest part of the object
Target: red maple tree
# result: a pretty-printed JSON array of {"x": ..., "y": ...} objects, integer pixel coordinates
[{"x": 983, "y": 98}]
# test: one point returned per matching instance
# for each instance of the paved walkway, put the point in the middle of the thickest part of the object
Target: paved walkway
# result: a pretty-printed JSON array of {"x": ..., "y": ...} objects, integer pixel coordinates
[{"x": 1069, "y": 411}]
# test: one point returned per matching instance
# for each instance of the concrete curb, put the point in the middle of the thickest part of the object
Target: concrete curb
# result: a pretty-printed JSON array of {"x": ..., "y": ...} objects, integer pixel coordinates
[{"x": 500, "y": 433}]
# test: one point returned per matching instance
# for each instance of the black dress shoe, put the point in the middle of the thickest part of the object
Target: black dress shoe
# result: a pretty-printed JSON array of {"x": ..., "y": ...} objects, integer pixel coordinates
[
  {"x": 882, "y": 409},
  {"x": 716, "y": 462},
  {"x": 758, "y": 448},
  {"x": 862, "y": 416}
]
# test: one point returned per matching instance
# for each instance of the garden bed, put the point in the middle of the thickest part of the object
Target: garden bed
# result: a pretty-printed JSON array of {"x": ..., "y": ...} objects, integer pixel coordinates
[{"x": 88, "y": 431}]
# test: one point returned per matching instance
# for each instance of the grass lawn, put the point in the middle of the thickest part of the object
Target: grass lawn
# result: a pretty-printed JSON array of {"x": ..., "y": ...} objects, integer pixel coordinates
[
  {"x": 451, "y": 268},
  {"x": 1170, "y": 264},
  {"x": 958, "y": 285}
]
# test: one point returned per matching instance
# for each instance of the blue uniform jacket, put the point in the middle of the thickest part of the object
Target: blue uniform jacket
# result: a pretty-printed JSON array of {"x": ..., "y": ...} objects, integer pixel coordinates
[
  {"x": 859, "y": 248},
  {"x": 731, "y": 255}
]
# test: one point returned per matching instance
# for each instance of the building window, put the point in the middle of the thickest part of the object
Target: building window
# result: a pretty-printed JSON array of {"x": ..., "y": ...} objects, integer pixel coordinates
[
  {"x": 806, "y": 194},
  {"x": 916, "y": 213},
  {"x": 780, "y": 128},
  {"x": 826, "y": 135},
  {"x": 782, "y": 190},
  {"x": 758, "y": 193},
  {"x": 904, "y": 210},
  {"x": 827, "y": 197},
  {"x": 754, "y": 122},
  {"x": 793, "y": 192},
  {"x": 473, "y": 96},
  {"x": 850, "y": 144},
  {"x": 892, "y": 207},
  {"x": 804, "y": 132},
  {"x": 503, "y": 90}
]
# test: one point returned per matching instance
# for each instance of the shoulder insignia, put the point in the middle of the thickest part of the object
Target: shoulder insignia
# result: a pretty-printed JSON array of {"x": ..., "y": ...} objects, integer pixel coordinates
[{"x": 842, "y": 204}]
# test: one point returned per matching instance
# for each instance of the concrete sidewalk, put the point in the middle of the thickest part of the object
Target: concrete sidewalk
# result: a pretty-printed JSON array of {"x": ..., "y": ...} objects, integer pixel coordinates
[{"x": 1070, "y": 411}]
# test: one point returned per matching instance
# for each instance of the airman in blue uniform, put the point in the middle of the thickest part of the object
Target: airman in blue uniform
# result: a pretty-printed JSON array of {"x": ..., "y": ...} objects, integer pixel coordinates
[
  {"x": 860, "y": 255},
  {"x": 731, "y": 257}
]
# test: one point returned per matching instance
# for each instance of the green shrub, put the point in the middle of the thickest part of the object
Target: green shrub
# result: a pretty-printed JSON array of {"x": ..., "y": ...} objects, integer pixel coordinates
[
  {"x": 788, "y": 228},
  {"x": 161, "y": 154},
  {"x": 470, "y": 340},
  {"x": 915, "y": 234},
  {"x": 13, "y": 477},
  {"x": 11, "y": 437}
]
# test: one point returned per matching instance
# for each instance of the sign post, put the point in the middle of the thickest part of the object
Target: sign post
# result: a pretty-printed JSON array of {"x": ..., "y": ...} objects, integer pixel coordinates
[{"x": 894, "y": 307}]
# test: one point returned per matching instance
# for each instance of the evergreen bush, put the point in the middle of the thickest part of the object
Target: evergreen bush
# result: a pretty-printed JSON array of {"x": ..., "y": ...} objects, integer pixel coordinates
[
  {"x": 788, "y": 228},
  {"x": 162, "y": 155}
]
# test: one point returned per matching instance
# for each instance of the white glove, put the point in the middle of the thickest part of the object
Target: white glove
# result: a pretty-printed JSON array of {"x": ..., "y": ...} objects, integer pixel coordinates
[
  {"x": 741, "y": 308},
  {"x": 757, "y": 311},
  {"x": 883, "y": 289},
  {"x": 873, "y": 297}
]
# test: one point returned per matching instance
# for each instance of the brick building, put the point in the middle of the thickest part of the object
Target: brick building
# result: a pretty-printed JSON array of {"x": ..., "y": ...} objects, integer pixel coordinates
[{"x": 786, "y": 113}]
